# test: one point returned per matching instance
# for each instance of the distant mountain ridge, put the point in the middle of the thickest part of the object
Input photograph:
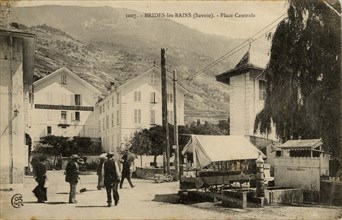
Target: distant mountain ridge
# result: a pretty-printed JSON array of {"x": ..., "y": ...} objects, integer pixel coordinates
[
  {"x": 100, "y": 45},
  {"x": 110, "y": 24}
]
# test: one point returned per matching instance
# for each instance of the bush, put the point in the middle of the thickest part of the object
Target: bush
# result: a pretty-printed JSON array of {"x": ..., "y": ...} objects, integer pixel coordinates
[
  {"x": 67, "y": 146},
  {"x": 44, "y": 150},
  {"x": 92, "y": 165}
]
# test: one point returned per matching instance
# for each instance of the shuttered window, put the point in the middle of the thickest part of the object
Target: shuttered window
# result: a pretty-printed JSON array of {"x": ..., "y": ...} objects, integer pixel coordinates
[
  {"x": 137, "y": 116},
  {"x": 153, "y": 117},
  {"x": 137, "y": 96},
  {"x": 77, "y": 99},
  {"x": 262, "y": 89}
]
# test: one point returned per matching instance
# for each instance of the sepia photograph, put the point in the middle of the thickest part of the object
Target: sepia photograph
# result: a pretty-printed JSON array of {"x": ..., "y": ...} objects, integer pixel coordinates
[{"x": 200, "y": 109}]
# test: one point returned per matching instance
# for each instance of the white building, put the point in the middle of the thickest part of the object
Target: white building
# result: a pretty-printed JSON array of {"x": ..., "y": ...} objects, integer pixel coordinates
[
  {"x": 16, "y": 78},
  {"x": 247, "y": 90},
  {"x": 135, "y": 105},
  {"x": 63, "y": 106}
]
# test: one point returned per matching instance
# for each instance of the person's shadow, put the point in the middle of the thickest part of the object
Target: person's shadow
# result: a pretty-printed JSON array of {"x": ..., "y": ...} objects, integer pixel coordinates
[
  {"x": 48, "y": 203},
  {"x": 91, "y": 206}
]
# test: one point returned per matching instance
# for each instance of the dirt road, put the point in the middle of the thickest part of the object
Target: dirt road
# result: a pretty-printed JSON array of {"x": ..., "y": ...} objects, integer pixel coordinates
[{"x": 147, "y": 200}]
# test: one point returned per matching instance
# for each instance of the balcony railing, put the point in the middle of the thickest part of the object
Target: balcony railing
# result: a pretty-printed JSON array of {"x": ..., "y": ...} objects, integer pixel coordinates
[{"x": 63, "y": 123}]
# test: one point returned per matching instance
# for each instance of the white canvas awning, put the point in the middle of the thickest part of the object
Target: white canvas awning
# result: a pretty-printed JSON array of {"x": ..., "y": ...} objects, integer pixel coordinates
[{"x": 214, "y": 148}]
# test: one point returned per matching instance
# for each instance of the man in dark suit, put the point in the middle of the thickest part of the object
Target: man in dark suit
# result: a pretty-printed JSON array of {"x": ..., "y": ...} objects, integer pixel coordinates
[
  {"x": 126, "y": 171},
  {"x": 111, "y": 173},
  {"x": 71, "y": 176}
]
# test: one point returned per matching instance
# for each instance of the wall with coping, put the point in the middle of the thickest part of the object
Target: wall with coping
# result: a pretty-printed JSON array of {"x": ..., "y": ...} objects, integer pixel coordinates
[{"x": 302, "y": 172}]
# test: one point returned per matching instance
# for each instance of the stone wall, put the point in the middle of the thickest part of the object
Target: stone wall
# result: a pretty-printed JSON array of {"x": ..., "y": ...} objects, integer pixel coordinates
[
  {"x": 284, "y": 196},
  {"x": 300, "y": 172},
  {"x": 148, "y": 173},
  {"x": 331, "y": 192}
]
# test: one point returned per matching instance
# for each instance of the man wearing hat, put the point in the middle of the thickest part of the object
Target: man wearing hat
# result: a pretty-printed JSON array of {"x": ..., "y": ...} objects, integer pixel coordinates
[
  {"x": 71, "y": 176},
  {"x": 126, "y": 170},
  {"x": 111, "y": 173}
]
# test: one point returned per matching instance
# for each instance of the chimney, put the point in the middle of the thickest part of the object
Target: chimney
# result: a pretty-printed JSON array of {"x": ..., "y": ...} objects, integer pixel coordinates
[
  {"x": 14, "y": 25},
  {"x": 112, "y": 86}
]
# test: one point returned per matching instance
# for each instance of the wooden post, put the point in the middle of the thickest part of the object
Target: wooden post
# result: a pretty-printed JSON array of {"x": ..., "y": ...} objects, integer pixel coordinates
[
  {"x": 166, "y": 142},
  {"x": 175, "y": 130},
  {"x": 11, "y": 116}
]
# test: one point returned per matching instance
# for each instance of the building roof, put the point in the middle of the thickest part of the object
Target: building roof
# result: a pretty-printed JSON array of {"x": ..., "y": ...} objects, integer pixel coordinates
[
  {"x": 28, "y": 40},
  {"x": 251, "y": 60},
  {"x": 308, "y": 143},
  {"x": 15, "y": 32},
  {"x": 70, "y": 73},
  {"x": 157, "y": 71},
  {"x": 214, "y": 148}
]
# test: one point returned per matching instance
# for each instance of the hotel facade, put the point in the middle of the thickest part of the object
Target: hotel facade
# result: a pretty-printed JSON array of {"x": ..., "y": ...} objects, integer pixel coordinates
[
  {"x": 136, "y": 105},
  {"x": 63, "y": 106}
]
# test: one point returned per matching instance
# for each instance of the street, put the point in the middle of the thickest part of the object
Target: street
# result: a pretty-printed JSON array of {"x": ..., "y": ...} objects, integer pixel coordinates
[{"x": 148, "y": 200}]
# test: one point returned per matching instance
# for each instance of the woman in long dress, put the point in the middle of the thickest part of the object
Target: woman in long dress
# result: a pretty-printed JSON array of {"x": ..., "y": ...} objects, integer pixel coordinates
[{"x": 40, "y": 176}]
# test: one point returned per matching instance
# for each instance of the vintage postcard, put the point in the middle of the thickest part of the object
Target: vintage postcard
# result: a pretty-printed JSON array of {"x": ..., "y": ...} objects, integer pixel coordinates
[{"x": 170, "y": 109}]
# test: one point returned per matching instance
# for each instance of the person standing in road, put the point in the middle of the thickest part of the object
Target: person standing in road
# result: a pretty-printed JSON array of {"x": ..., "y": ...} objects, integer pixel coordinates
[
  {"x": 40, "y": 177},
  {"x": 71, "y": 176},
  {"x": 126, "y": 171},
  {"x": 111, "y": 174}
]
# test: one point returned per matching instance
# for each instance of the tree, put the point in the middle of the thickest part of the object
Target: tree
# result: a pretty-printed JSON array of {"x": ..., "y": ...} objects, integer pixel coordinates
[
  {"x": 304, "y": 74},
  {"x": 183, "y": 139},
  {"x": 141, "y": 143},
  {"x": 157, "y": 145},
  {"x": 206, "y": 129},
  {"x": 150, "y": 141},
  {"x": 224, "y": 126},
  {"x": 59, "y": 144},
  {"x": 82, "y": 144}
]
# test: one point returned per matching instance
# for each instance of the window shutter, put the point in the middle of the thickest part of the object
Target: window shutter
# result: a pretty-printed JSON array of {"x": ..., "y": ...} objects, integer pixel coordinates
[
  {"x": 72, "y": 99},
  {"x": 139, "y": 116},
  {"x": 153, "y": 117}
]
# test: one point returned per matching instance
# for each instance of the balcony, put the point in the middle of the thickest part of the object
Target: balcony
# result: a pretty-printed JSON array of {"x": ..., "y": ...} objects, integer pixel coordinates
[{"x": 63, "y": 123}]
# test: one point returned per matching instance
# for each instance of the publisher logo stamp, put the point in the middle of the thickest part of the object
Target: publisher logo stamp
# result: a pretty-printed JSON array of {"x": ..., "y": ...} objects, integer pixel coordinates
[{"x": 17, "y": 200}]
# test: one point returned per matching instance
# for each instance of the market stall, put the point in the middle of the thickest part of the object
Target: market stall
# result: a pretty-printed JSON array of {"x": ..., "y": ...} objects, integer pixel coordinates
[{"x": 213, "y": 160}]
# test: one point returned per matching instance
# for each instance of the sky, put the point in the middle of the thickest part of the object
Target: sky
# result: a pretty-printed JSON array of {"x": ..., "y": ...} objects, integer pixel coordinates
[{"x": 226, "y": 20}]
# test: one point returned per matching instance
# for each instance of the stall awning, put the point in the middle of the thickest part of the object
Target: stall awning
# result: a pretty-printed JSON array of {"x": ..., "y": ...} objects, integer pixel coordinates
[
  {"x": 214, "y": 148},
  {"x": 306, "y": 143}
]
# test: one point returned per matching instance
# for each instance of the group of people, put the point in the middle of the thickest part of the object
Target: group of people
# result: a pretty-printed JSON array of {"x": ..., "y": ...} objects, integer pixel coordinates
[{"x": 108, "y": 171}]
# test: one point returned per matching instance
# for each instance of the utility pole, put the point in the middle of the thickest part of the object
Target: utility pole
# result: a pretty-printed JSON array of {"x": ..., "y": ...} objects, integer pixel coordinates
[
  {"x": 175, "y": 130},
  {"x": 166, "y": 142}
]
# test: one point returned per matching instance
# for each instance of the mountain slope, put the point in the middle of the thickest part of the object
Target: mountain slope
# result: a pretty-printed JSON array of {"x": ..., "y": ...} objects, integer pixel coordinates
[
  {"x": 111, "y": 25},
  {"x": 101, "y": 46}
]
